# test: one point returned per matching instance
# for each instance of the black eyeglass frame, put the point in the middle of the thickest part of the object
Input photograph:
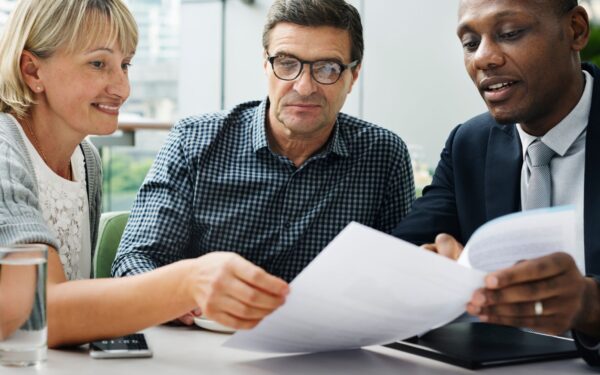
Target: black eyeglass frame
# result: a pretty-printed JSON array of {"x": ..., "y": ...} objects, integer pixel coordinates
[{"x": 343, "y": 66}]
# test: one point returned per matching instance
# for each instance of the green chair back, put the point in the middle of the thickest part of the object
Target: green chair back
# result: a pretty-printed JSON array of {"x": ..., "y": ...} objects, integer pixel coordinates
[{"x": 112, "y": 225}]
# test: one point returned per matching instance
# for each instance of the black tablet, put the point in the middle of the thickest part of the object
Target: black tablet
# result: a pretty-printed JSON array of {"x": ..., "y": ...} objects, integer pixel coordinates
[{"x": 475, "y": 345}]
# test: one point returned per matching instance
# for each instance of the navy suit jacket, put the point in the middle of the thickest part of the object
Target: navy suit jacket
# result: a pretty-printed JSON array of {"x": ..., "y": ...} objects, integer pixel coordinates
[{"x": 478, "y": 179}]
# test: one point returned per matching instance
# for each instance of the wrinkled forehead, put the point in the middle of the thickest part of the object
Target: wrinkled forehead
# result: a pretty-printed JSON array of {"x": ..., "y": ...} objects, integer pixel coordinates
[
  {"x": 472, "y": 12},
  {"x": 310, "y": 42},
  {"x": 471, "y": 7}
]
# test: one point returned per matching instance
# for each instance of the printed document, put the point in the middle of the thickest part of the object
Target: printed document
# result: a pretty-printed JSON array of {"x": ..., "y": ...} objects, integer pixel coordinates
[
  {"x": 506, "y": 240},
  {"x": 364, "y": 288},
  {"x": 368, "y": 288}
]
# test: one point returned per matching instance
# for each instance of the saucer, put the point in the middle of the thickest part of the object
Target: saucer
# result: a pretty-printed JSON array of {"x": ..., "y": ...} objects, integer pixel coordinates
[{"x": 211, "y": 325}]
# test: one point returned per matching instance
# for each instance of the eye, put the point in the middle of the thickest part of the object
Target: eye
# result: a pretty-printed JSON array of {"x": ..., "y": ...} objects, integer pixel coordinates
[
  {"x": 511, "y": 35},
  {"x": 97, "y": 64},
  {"x": 470, "y": 41},
  {"x": 470, "y": 45},
  {"x": 327, "y": 68},
  {"x": 125, "y": 66},
  {"x": 287, "y": 62},
  {"x": 286, "y": 65}
]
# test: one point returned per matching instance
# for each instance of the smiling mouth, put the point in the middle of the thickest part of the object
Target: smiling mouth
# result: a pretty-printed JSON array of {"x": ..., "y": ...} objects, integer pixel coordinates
[
  {"x": 498, "y": 91},
  {"x": 108, "y": 108},
  {"x": 499, "y": 86}
]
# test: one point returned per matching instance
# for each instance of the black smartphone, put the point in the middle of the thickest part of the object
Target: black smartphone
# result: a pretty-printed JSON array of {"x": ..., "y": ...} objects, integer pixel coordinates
[{"x": 130, "y": 346}]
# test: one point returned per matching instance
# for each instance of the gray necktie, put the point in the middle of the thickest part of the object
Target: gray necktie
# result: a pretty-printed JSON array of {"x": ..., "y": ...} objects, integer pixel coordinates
[{"x": 539, "y": 189}]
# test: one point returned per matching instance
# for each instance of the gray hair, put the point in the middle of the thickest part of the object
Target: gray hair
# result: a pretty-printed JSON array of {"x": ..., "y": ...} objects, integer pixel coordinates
[{"x": 334, "y": 13}]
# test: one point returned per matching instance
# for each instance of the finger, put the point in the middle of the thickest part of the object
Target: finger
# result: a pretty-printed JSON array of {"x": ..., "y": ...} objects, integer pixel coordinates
[
  {"x": 430, "y": 247},
  {"x": 476, "y": 302},
  {"x": 259, "y": 278},
  {"x": 551, "y": 306},
  {"x": 448, "y": 246},
  {"x": 527, "y": 292},
  {"x": 187, "y": 319},
  {"x": 533, "y": 269},
  {"x": 197, "y": 311},
  {"x": 238, "y": 309},
  {"x": 251, "y": 296}
]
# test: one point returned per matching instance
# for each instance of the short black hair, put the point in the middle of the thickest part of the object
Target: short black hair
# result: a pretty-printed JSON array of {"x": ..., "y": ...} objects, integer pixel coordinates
[
  {"x": 335, "y": 13},
  {"x": 563, "y": 6}
]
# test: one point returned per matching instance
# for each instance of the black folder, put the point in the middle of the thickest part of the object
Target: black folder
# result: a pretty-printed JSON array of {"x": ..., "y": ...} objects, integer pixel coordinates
[{"x": 475, "y": 345}]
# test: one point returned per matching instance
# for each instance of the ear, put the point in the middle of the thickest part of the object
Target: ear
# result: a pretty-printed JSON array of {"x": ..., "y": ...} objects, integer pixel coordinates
[
  {"x": 29, "y": 65},
  {"x": 355, "y": 72},
  {"x": 579, "y": 28}
]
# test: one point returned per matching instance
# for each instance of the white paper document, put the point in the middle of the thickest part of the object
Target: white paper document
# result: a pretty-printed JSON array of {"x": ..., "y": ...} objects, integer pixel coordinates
[
  {"x": 504, "y": 241},
  {"x": 364, "y": 288},
  {"x": 368, "y": 288}
]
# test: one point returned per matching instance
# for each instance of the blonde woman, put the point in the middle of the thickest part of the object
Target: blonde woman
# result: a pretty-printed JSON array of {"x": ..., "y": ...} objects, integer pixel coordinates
[{"x": 63, "y": 76}]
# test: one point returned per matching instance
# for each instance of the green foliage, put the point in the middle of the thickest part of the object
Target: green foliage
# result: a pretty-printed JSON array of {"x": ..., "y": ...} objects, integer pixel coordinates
[
  {"x": 124, "y": 172},
  {"x": 591, "y": 52}
]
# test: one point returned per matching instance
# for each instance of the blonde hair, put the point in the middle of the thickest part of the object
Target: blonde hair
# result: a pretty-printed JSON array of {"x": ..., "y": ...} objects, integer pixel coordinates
[{"x": 43, "y": 26}]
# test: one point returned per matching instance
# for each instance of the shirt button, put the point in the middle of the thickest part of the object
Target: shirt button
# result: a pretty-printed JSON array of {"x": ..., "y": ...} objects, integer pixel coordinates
[{"x": 287, "y": 225}]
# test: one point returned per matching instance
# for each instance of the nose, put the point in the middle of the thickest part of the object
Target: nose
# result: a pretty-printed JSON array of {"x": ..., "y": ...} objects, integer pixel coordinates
[
  {"x": 489, "y": 55},
  {"x": 304, "y": 84},
  {"x": 119, "y": 84}
]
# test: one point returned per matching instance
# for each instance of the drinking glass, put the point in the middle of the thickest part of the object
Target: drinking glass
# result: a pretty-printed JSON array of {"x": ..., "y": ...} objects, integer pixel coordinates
[{"x": 23, "y": 331}]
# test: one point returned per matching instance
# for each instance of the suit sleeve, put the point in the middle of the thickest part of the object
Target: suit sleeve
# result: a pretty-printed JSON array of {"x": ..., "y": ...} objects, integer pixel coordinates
[
  {"x": 435, "y": 212},
  {"x": 589, "y": 348}
]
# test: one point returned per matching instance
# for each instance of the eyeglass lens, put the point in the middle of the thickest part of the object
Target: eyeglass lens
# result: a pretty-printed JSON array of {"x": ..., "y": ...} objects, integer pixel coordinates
[{"x": 289, "y": 68}]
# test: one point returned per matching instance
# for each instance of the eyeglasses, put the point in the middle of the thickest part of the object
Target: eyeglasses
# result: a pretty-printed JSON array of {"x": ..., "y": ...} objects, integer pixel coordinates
[{"x": 326, "y": 72}]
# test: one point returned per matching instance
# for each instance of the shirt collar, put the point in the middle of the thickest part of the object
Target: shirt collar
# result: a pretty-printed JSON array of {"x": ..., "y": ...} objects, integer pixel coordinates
[
  {"x": 335, "y": 145},
  {"x": 565, "y": 133},
  {"x": 259, "y": 121}
]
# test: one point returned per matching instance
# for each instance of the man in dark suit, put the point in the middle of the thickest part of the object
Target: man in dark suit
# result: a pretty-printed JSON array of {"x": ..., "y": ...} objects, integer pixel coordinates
[{"x": 523, "y": 56}]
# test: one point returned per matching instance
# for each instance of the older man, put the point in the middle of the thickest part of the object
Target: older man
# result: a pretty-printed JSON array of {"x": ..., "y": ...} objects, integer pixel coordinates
[
  {"x": 273, "y": 181},
  {"x": 537, "y": 146}
]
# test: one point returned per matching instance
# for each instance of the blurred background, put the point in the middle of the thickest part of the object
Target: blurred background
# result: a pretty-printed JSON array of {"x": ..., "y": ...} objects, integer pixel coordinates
[{"x": 198, "y": 56}]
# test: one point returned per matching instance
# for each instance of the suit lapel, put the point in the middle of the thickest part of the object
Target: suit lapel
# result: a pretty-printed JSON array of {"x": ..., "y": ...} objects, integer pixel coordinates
[
  {"x": 503, "y": 172},
  {"x": 592, "y": 182}
]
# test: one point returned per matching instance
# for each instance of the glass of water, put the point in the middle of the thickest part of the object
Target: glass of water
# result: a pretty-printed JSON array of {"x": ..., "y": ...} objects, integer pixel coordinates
[{"x": 23, "y": 332}]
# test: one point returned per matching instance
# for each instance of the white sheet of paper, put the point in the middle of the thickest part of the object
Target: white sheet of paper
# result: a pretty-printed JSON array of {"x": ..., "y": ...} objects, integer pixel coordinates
[
  {"x": 364, "y": 288},
  {"x": 503, "y": 242}
]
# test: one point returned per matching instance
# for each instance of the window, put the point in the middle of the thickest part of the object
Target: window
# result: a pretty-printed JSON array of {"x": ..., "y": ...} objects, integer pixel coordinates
[
  {"x": 6, "y": 6},
  {"x": 154, "y": 86}
]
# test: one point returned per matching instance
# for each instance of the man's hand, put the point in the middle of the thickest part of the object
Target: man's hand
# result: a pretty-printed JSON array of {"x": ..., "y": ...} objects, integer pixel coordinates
[
  {"x": 510, "y": 296},
  {"x": 445, "y": 245},
  {"x": 234, "y": 292}
]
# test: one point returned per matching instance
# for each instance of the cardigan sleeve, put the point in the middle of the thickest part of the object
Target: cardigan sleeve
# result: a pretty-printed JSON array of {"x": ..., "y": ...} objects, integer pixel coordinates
[{"x": 21, "y": 219}]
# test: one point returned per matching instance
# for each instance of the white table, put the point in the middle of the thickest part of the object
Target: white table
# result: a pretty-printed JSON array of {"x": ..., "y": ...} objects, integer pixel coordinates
[{"x": 186, "y": 350}]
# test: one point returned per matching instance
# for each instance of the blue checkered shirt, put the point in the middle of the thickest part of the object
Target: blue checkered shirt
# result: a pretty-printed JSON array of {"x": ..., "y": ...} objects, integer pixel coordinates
[{"x": 216, "y": 185}]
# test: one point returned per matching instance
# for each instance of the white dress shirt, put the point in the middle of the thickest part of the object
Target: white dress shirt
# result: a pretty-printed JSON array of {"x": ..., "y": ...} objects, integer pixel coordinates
[{"x": 567, "y": 168}]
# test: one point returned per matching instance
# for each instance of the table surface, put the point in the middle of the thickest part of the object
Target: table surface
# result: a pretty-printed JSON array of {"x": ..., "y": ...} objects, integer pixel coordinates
[{"x": 191, "y": 350}]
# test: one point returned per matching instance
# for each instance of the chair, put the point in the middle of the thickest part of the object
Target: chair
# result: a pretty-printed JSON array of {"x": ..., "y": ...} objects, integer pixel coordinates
[{"x": 112, "y": 225}]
